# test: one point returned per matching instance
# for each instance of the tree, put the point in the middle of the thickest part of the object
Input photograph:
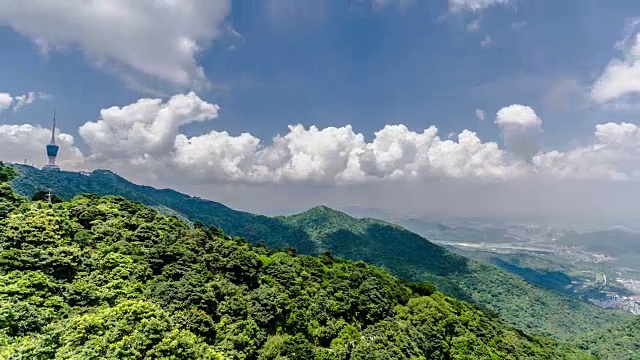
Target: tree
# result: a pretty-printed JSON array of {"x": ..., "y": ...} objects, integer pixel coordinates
[
  {"x": 105, "y": 278},
  {"x": 7, "y": 173}
]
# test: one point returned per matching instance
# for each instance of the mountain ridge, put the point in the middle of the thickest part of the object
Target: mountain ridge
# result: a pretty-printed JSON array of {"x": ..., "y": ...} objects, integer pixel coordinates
[
  {"x": 389, "y": 246},
  {"x": 106, "y": 278}
]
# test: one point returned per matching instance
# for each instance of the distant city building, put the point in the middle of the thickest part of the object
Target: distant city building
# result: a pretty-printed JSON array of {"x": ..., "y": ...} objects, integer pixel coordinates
[{"x": 52, "y": 148}]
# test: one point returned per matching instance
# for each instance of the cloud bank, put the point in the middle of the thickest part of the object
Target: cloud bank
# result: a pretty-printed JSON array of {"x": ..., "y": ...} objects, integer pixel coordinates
[{"x": 146, "y": 137}]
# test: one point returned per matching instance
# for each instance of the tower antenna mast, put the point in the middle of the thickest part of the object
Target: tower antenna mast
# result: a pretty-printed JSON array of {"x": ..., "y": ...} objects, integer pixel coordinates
[
  {"x": 52, "y": 148},
  {"x": 53, "y": 128}
]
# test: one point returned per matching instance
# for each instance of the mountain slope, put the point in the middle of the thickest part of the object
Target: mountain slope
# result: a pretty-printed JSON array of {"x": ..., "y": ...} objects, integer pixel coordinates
[
  {"x": 255, "y": 228},
  {"x": 321, "y": 229},
  {"x": 106, "y": 278},
  {"x": 618, "y": 342},
  {"x": 401, "y": 252}
]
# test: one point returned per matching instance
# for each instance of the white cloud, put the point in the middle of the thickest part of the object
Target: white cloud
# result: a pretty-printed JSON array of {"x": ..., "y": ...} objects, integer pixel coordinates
[
  {"x": 338, "y": 155},
  {"x": 473, "y": 5},
  {"x": 144, "y": 141},
  {"x": 486, "y": 41},
  {"x": 517, "y": 116},
  {"x": 474, "y": 25},
  {"x": 20, "y": 142},
  {"x": 146, "y": 135},
  {"x": 146, "y": 128},
  {"x": 480, "y": 114},
  {"x": 156, "y": 38},
  {"x": 19, "y": 101},
  {"x": 520, "y": 126},
  {"x": 614, "y": 156},
  {"x": 5, "y": 101},
  {"x": 621, "y": 77},
  {"x": 28, "y": 98}
]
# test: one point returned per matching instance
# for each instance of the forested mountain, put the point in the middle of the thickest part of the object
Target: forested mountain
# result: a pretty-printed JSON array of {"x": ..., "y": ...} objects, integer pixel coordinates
[
  {"x": 321, "y": 229},
  {"x": 618, "y": 342},
  {"x": 106, "y": 278},
  {"x": 519, "y": 303}
]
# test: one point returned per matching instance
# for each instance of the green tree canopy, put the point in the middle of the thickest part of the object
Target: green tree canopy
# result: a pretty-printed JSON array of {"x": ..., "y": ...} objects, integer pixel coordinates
[
  {"x": 7, "y": 173},
  {"x": 106, "y": 278}
]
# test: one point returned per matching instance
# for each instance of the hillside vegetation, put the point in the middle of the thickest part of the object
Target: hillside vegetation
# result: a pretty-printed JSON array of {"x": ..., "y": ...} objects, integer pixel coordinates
[
  {"x": 106, "y": 278},
  {"x": 401, "y": 252},
  {"x": 393, "y": 248},
  {"x": 618, "y": 342}
]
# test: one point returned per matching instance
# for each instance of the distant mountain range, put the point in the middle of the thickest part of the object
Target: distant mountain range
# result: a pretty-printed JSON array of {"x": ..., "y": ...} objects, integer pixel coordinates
[{"x": 322, "y": 229}]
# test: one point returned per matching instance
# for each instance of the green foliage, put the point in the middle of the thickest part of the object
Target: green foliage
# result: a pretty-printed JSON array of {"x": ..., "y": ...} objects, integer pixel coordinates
[
  {"x": 618, "y": 342},
  {"x": 9, "y": 200},
  {"x": 105, "y": 278},
  {"x": 7, "y": 173},
  {"x": 410, "y": 256},
  {"x": 325, "y": 232}
]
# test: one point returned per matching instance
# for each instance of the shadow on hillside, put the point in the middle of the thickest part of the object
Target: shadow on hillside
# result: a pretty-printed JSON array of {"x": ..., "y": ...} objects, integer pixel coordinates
[
  {"x": 275, "y": 234},
  {"x": 553, "y": 280},
  {"x": 402, "y": 253}
]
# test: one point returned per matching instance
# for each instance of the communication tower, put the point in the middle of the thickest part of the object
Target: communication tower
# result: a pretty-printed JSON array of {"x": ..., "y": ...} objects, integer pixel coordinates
[{"x": 52, "y": 148}]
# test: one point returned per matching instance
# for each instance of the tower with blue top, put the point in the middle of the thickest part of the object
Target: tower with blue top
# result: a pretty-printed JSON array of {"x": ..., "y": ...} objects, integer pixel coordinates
[{"x": 52, "y": 148}]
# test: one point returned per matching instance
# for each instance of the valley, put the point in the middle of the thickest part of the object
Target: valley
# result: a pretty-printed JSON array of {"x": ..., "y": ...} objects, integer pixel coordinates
[{"x": 570, "y": 260}]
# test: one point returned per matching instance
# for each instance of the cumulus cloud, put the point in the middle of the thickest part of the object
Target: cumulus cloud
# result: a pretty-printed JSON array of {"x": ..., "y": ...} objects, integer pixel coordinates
[
  {"x": 520, "y": 126},
  {"x": 621, "y": 77},
  {"x": 20, "y": 142},
  {"x": 5, "y": 101},
  {"x": 517, "y": 116},
  {"x": 146, "y": 128},
  {"x": 157, "y": 38},
  {"x": 614, "y": 156},
  {"x": 146, "y": 135},
  {"x": 339, "y": 155},
  {"x": 480, "y": 114},
  {"x": 473, "y": 5},
  {"x": 144, "y": 140}
]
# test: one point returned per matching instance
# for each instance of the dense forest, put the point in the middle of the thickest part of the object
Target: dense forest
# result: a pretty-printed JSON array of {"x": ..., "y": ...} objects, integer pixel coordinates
[
  {"x": 617, "y": 342},
  {"x": 401, "y": 252},
  {"x": 107, "y": 278}
]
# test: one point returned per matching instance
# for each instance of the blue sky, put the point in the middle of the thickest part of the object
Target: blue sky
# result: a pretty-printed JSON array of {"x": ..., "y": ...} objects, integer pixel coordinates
[
  {"x": 340, "y": 63},
  {"x": 275, "y": 63}
]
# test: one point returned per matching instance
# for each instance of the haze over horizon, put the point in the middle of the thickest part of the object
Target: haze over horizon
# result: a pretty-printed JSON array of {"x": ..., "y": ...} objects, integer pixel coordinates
[{"x": 455, "y": 107}]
